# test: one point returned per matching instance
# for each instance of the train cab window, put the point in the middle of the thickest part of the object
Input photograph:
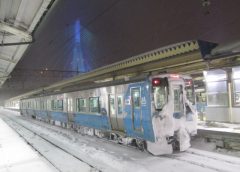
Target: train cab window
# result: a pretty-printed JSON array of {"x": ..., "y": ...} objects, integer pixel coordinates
[
  {"x": 81, "y": 105},
  {"x": 177, "y": 100},
  {"x": 160, "y": 92},
  {"x": 120, "y": 104},
  {"x": 94, "y": 105},
  {"x": 189, "y": 87},
  {"x": 160, "y": 96},
  {"x": 136, "y": 97}
]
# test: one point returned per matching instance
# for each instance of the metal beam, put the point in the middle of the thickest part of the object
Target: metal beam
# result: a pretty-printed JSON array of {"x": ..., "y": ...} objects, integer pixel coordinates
[
  {"x": 15, "y": 31},
  {"x": 8, "y": 60},
  {"x": 4, "y": 73},
  {"x": 15, "y": 43}
]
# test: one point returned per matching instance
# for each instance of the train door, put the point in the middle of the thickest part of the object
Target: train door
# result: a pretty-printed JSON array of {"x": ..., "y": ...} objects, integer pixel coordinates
[
  {"x": 116, "y": 111},
  {"x": 69, "y": 105},
  {"x": 136, "y": 108},
  {"x": 68, "y": 109},
  {"x": 66, "y": 105},
  {"x": 119, "y": 103},
  {"x": 112, "y": 111},
  {"x": 178, "y": 101}
]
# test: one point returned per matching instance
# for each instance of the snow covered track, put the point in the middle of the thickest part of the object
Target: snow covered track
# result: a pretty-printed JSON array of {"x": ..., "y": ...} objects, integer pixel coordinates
[
  {"x": 209, "y": 161},
  {"x": 107, "y": 156},
  {"x": 62, "y": 160}
]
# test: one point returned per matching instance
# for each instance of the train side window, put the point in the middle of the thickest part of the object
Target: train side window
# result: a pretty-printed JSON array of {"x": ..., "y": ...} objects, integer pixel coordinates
[
  {"x": 45, "y": 104},
  {"x": 38, "y": 104},
  {"x": 49, "y": 105},
  {"x": 81, "y": 105},
  {"x": 136, "y": 97},
  {"x": 54, "y": 105},
  {"x": 94, "y": 105},
  {"x": 120, "y": 104},
  {"x": 60, "y": 105}
]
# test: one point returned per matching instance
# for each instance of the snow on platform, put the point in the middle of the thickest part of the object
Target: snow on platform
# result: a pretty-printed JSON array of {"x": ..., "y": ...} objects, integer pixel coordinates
[{"x": 17, "y": 156}]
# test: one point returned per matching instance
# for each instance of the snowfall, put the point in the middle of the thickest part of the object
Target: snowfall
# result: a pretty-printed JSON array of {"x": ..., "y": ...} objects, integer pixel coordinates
[{"x": 38, "y": 146}]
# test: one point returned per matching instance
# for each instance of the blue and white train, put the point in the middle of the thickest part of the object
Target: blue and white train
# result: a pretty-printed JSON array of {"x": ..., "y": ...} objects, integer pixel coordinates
[{"x": 158, "y": 111}]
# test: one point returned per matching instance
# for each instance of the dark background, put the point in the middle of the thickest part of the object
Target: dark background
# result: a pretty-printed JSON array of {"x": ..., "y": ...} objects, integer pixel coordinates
[{"x": 80, "y": 35}]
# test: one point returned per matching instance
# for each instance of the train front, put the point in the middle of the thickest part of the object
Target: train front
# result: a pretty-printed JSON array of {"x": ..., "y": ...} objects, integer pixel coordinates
[{"x": 174, "y": 116}]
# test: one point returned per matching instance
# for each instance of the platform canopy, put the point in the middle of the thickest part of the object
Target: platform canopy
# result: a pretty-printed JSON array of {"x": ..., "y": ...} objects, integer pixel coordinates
[{"x": 18, "y": 20}]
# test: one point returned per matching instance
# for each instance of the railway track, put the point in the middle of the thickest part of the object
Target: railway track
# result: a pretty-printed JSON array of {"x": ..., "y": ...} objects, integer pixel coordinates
[
  {"x": 201, "y": 159},
  {"x": 46, "y": 146},
  {"x": 208, "y": 162}
]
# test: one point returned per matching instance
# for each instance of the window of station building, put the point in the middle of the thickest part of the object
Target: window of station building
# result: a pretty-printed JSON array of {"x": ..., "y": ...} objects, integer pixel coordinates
[
  {"x": 236, "y": 87},
  {"x": 217, "y": 94},
  {"x": 94, "y": 105},
  {"x": 81, "y": 105},
  {"x": 120, "y": 104}
]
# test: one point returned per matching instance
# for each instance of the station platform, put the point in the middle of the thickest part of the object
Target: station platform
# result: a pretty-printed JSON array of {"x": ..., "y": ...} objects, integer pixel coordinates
[
  {"x": 219, "y": 126},
  {"x": 17, "y": 156},
  {"x": 224, "y": 135}
]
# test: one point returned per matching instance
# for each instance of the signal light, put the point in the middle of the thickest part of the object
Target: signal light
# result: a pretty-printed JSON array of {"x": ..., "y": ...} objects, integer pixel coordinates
[
  {"x": 188, "y": 83},
  {"x": 156, "y": 82}
]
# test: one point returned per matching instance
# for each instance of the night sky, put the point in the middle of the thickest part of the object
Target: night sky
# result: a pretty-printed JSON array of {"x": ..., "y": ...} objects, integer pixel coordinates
[{"x": 81, "y": 35}]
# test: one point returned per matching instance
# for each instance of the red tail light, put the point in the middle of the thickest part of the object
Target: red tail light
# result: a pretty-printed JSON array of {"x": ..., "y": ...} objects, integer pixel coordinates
[{"x": 156, "y": 82}]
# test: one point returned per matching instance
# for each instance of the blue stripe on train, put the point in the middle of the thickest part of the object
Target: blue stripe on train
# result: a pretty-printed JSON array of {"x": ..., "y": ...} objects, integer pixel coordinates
[
  {"x": 41, "y": 114},
  {"x": 100, "y": 122},
  {"x": 96, "y": 121}
]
